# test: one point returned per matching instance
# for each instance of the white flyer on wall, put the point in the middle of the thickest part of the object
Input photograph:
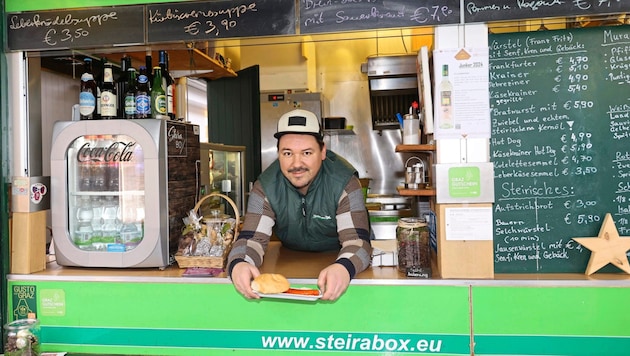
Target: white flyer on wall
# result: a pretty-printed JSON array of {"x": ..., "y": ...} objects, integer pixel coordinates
[
  {"x": 468, "y": 223},
  {"x": 461, "y": 93}
]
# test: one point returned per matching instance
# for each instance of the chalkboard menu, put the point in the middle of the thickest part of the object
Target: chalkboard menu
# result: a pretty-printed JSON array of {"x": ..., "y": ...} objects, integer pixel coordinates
[
  {"x": 317, "y": 16},
  {"x": 560, "y": 144},
  {"x": 120, "y": 25},
  {"x": 193, "y": 21},
  {"x": 500, "y": 10}
]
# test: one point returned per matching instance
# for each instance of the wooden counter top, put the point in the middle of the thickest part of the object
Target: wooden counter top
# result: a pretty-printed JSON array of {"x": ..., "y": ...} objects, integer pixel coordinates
[
  {"x": 292, "y": 264},
  {"x": 297, "y": 264},
  {"x": 306, "y": 266}
]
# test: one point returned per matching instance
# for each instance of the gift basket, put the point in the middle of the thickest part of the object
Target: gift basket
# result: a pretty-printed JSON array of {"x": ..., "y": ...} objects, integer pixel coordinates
[{"x": 206, "y": 241}]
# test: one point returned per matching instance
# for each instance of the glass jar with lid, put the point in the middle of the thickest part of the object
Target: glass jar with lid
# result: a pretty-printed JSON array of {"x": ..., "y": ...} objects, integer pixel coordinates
[
  {"x": 21, "y": 338},
  {"x": 412, "y": 237}
]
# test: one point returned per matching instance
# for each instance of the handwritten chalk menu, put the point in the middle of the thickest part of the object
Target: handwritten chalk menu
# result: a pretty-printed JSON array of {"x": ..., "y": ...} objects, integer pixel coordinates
[
  {"x": 120, "y": 25},
  {"x": 317, "y": 16},
  {"x": 499, "y": 10},
  {"x": 192, "y": 21},
  {"x": 560, "y": 144}
]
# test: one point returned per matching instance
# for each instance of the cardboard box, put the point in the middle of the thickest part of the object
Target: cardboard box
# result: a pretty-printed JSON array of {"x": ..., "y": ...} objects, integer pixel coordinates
[
  {"x": 28, "y": 242},
  {"x": 461, "y": 258},
  {"x": 385, "y": 254}
]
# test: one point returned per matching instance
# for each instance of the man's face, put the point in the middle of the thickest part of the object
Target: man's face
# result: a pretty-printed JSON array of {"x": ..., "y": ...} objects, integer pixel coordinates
[{"x": 300, "y": 159}]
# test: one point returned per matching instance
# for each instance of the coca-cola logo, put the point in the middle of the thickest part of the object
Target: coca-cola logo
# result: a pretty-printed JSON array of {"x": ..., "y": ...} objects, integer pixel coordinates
[{"x": 116, "y": 152}]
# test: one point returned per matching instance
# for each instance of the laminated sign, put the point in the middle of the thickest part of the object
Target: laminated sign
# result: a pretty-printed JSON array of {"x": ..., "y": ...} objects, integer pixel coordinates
[{"x": 465, "y": 183}]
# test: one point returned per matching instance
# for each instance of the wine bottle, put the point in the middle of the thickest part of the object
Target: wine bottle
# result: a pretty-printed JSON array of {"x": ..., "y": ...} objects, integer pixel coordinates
[
  {"x": 446, "y": 110},
  {"x": 172, "y": 90},
  {"x": 87, "y": 96},
  {"x": 168, "y": 83},
  {"x": 148, "y": 62},
  {"x": 122, "y": 82},
  {"x": 98, "y": 78}
]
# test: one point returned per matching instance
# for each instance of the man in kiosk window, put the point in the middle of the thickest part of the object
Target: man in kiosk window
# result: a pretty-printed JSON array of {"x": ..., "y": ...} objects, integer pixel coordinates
[{"x": 312, "y": 199}]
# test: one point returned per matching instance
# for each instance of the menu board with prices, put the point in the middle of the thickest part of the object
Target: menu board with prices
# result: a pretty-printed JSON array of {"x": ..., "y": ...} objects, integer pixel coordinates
[
  {"x": 340, "y": 15},
  {"x": 501, "y": 10},
  {"x": 80, "y": 28},
  {"x": 195, "y": 21},
  {"x": 560, "y": 144}
]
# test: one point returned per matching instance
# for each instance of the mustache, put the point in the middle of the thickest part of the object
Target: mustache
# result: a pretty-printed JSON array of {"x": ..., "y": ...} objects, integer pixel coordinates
[{"x": 298, "y": 169}]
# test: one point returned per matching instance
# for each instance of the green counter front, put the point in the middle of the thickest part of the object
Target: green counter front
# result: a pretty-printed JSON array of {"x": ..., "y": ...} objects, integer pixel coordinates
[
  {"x": 568, "y": 319},
  {"x": 153, "y": 312}
]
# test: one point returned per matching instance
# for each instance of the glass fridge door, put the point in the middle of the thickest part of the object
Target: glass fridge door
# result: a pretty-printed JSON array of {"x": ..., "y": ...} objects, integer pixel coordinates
[
  {"x": 223, "y": 171},
  {"x": 105, "y": 193}
]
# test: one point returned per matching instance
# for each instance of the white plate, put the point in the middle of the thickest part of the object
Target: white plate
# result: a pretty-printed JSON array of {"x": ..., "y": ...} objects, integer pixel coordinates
[{"x": 292, "y": 296}]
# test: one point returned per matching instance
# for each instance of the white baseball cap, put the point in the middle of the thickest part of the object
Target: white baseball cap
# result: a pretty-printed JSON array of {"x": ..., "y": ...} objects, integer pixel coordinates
[{"x": 299, "y": 122}]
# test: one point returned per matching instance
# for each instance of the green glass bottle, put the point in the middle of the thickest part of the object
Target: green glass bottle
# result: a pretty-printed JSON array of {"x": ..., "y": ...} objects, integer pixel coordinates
[
  {"x": 158, "y": 96},
  {"x": 130, "y": 95}
]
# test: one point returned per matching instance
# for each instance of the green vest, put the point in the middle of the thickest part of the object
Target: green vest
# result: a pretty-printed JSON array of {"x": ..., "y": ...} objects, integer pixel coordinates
[{"x": 308, "y": 222}]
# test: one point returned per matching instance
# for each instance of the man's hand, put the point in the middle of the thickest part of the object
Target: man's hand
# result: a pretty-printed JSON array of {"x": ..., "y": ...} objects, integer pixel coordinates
[
  {"x": 242, "y": 275},
  {"x": 333, "y": 281}
]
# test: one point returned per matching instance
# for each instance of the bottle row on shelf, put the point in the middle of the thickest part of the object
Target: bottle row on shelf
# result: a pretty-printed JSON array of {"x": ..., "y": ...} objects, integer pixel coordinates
[
  {"x": 107, "y": 223},
  {"x": 110, "y": 177},
  {"x": 108, "y": 163},
  {"x": 148, "y": 92}
]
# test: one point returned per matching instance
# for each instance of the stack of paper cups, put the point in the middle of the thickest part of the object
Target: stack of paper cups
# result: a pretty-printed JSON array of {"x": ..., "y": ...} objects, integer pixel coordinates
[{"x": 411, "y": 130}]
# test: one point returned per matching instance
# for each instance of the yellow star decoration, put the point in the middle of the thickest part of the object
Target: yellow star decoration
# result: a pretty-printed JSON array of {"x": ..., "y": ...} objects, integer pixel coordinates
[{"x": 607, "y": 247}]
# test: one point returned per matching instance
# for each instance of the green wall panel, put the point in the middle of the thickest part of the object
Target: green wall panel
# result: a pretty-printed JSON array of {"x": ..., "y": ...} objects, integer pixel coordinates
[
  {"x": 551, "y": 321},
  {"x": 149, "y": 318},
  {"x": 183, "y": 318}
]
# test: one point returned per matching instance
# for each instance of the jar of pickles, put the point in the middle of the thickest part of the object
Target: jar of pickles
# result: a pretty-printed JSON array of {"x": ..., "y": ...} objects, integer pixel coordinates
[
  {"x": 412, "y": 236},
  {"x": 21, "y": 338}
]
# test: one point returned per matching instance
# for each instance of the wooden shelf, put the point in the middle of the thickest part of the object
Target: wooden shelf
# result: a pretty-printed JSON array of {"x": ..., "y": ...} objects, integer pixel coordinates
[
  {"x": 422, "y": 192},
  {"x": 415, "y": 148},
  {"x": 190, "y": 62},
  {"x": 193, "y": 62}
]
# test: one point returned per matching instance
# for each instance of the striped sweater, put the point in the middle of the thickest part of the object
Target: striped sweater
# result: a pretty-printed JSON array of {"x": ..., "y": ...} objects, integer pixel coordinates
[{"x": 350, "y": 220}]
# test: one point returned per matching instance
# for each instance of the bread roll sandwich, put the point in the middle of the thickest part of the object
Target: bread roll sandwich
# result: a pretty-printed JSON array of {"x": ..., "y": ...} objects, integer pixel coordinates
[{"x": 270, "y": 283}]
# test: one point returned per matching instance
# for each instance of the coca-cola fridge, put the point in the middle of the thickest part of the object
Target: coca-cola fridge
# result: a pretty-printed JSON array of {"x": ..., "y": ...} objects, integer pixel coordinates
[{"x": 119, "y": 190}]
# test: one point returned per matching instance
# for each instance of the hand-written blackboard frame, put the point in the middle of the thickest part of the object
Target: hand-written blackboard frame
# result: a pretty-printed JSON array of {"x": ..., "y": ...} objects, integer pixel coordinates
[
  {"x": 338, "y": 15},
  {"x": 94, "y": 27},
  {"x": 501, "y": 10},
  {"x": 560, "y": 144},
  {"x": 194, "y": 21},
  {"x": 145, "y": 24}
]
